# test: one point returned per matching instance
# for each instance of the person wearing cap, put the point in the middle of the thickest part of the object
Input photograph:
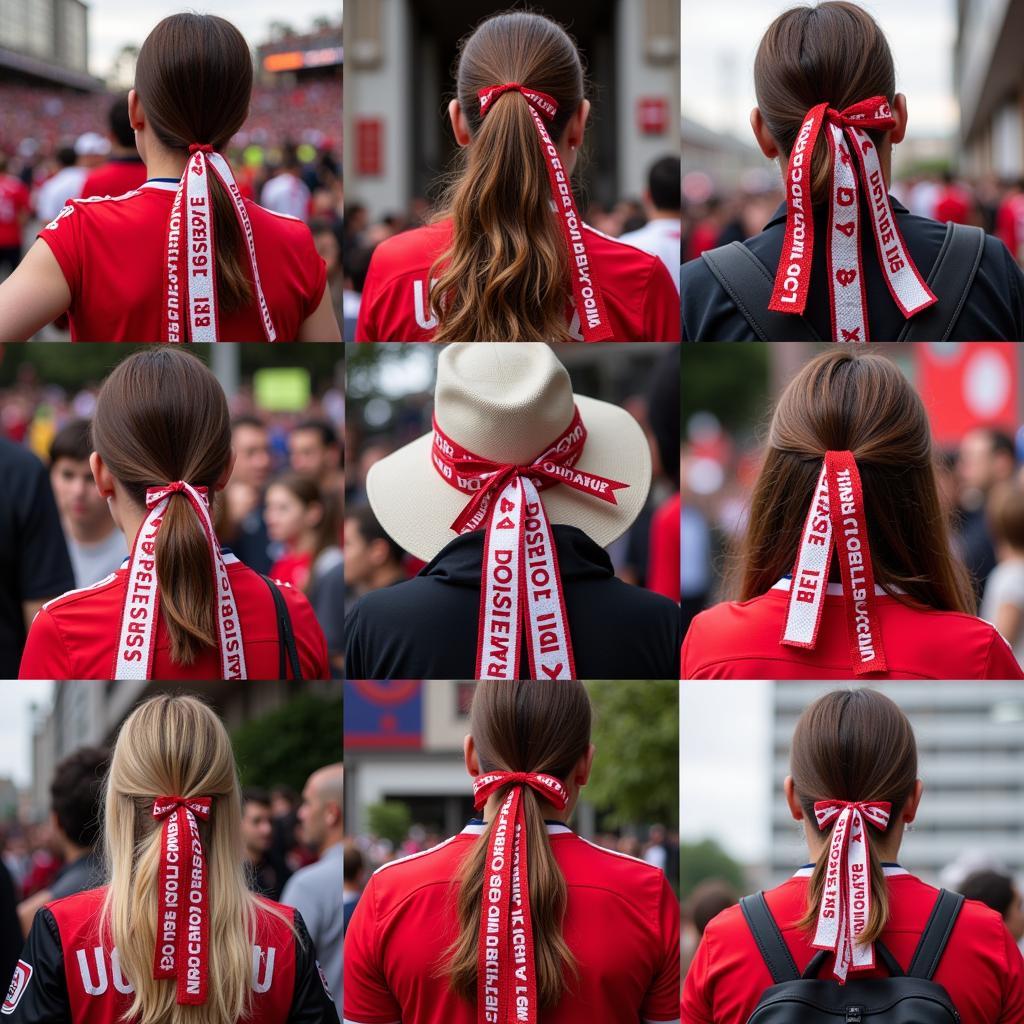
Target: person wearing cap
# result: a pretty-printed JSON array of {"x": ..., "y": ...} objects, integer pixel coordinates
[
  {"x": 848, "y": 471},
  {"x": 572, "y": 933},
  {"x": 174, "y": 935},
  {"x": 841, "y": 260},
  {"x": 854, "y": 802},
  {"x": 510, "y": 500}
]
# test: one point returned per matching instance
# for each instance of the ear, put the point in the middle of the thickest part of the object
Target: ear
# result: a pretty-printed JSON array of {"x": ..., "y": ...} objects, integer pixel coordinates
[
  {"x": 899, "y": 114},
  {"x": 103, "y": 477},
  {"x": 794, "y": 804},
  {"x": 909, "y": 812},
  {"x": 469, "y": 754},
  {"x": 767, "y": 144},
  {"x": 136, "y": 115},
  {"x": 225, "y": 476},
  {"x": 459, "y": 124},
  {"x": 577, "y": 125},
  {"x": 581, "y": 773}
]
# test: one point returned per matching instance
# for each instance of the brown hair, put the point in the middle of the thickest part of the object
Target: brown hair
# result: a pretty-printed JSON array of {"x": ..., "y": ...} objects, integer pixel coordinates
[
  {"x": 523, "y": 727},
  {"x": 194, "y": 80},
  {"x": 308, "y": 492},
  {"x": 1006, "y": 515},
  {"x": 833, "y": 53},
  {"x": 846, "y": 400},
  {"x": 161, "y": 416},
  {"x": 505, "y": 276},
  {"x": 854, "y": 745}
]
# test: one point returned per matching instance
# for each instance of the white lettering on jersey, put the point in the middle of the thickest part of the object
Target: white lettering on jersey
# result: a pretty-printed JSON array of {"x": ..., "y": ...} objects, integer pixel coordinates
[
  {"x": 98, "y": 987},
  {"x": 266, "y": 958},
  {"x": 428, "y": 323},
  {"x": 66, "y": 212},
  {"x": 22, "y": 976}
]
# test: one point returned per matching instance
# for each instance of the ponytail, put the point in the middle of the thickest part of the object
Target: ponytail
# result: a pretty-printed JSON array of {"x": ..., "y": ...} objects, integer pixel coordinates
[{"x": 234, "y": 282}]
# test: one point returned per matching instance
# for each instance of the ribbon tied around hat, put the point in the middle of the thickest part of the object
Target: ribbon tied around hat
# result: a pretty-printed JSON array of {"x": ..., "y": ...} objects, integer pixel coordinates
[
  {"x": 590, "y": 307},
  {"x": 521, "y": 582},
  {"x": 506, "y": 972},
  {"x": 845, "y": 132},
  {"x": 182, "y": 949},
  {"x": 845, "y": 906}
]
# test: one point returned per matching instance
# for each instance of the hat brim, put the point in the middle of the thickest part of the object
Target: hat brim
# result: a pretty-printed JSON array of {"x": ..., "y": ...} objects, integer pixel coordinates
[{"x": 416, "y": 506}]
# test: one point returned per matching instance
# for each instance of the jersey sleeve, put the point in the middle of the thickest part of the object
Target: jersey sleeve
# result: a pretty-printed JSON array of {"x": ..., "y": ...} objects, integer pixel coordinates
[
  {"x": 367, "y": 998},
  {"x": 45, "y": 656},
  {"x": 38, "y": 992},
  {"x": 312, "y": 1002},
  {"x": 64, "y": 237},
  {"x": 317, "y": 277},
  {"x": 1013, "y": 982},
  {"x": 662, "y": 1001},
  {"x": 697, "y": 1005},
  {"x": 662, "y": 317},
  {"x": 1001, "y": 663}
]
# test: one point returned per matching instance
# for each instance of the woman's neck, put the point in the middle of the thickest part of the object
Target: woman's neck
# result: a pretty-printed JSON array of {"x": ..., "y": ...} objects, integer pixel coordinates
[{"x": 166, "y": 165}]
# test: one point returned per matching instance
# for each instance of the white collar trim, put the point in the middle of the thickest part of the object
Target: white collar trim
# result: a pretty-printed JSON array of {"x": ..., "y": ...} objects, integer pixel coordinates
[
  {"x": 161, "y": 186},
  {"x": 890, "y": 871},
  {"x": 833, "y": 590},
  {"x": 553, "y": 830}
]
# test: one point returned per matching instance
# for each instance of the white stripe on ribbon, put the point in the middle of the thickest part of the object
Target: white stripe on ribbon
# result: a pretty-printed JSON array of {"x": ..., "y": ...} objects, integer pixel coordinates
[
  {"x": 810, "y": 576},
  {"x": 845, "y": 261}
]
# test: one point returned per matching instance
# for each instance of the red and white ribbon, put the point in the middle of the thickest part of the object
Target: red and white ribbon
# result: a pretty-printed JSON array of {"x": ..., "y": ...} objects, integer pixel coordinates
[
  {"x": 190, "y": 292},
  {"x": 520, "y": 582},
  {"x": 836, "y": 519},
  {"x": 586, "y": 294},
  {"x": 506, "y": 973},
  {"x": 845, "y": 132},
  {"x": 183, "y": 901},
  {"x": 846, "y": 897},
  {"x": 136, "y": 645}
]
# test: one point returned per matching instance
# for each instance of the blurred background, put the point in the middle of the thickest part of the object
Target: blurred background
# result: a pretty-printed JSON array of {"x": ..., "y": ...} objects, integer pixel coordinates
[
  {"x": 390, "y": 403},
  {"x": 64, "y": 64},
  {"x": 957, "y": 61},
  {"x": 288, "y": 411},
  {"x": 975, "y": 403},
  {"x": 407, "y": 788},
  {"x": 970, "y": 826}
]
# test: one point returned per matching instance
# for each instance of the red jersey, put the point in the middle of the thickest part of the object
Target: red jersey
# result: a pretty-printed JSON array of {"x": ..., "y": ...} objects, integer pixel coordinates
[
  {"x": 1010, "y": 225},
  {"x": 981, "y": 968},
  {"x": 663, "y": 558},
  {"x": 953, "y": 205},
  {"x": 621, "y": 923},
  {"x": 112, "y": 253},
  {"x": 75, "y": 636},
  {"x": 124, "y": 174},
  {"x": 741, "y": 640},
  {"x": 293, "y": 569},
  {"x": 638, "y": 292},
  {"x": 14, "y": 200}
]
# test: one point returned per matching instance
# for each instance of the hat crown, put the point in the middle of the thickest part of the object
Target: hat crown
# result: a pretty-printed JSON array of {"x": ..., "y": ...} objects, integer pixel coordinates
[{"x": 504, "y": 402}]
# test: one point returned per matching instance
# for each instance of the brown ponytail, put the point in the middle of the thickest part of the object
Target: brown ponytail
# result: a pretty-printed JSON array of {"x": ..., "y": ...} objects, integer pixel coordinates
[
  {"x": 833, "y": 53},
  {"x": 194, "y": 80},
  {"x": 161, "y": 416},
  {"x": 506, "y": 275},
  {"x": 854, "y": 745},
  {"x": 534, "y": 727}
]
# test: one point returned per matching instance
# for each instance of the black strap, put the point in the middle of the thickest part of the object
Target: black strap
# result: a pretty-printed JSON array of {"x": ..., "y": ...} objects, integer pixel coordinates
[
  {"x": 890, "y": 962},
  {"x": 936, "y": 934},
  {"x": 288, "y": 652},
  {"x": 774, "y": 950},
  {"x": 748, "y": 282},
  {"x": 951, "y": 279}
]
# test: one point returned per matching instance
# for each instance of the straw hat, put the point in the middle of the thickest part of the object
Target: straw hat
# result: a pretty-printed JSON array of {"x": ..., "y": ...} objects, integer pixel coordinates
[{"x": 508, "y": 403}]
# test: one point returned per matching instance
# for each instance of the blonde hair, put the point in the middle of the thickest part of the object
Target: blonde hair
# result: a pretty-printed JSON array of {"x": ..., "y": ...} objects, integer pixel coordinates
[{"x": 176, "y": 746}]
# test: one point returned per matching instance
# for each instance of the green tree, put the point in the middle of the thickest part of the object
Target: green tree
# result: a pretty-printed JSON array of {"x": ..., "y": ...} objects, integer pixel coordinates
[
  {"x": 389, "y": 820},
  {"x": 636, "y": 733},
  {"x": 706, "y": 859},
  {"x": 288, "y": 744},
  {"x": 730, "y": 381}
]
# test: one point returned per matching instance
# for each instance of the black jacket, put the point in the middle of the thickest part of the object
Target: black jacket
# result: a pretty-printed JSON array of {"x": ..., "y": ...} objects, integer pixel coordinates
[
  {"x": 426, "y": 627},
  {"x": 994, "y": 310}
]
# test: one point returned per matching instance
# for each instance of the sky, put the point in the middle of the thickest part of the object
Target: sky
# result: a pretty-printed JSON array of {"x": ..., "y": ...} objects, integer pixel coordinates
[
  {"x": 17, "y": 698},
  {"x": 720, "y": 41}
]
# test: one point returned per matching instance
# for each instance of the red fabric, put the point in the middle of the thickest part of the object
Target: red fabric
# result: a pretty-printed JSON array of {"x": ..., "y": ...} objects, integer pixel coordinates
[
  {"x": 663, "y": 556},
  {"x": 293, "y": 568},
  {"x": 953, "y": 205},
  {"x": 14, "y": 200},
  {"x": 114, "y": 179},
  {"x": 639, "y": 294},
  {"x": 1010, "y": 224},
  {"x": 112, "y": 253},
  {"x": 74, "y": 636},
  {"x": 621, "y": 923},
  {"x": 704, "y": 236},
  {"x": 981, "y": 969},
  {"x": 740, "y": 640}
]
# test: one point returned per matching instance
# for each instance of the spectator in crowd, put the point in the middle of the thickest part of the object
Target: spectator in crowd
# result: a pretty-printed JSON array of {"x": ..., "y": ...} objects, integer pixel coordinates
[
  {"x": 316, "y": 891},
  {"x": 952, "y": 203},
  {"x": 299, "y": 517},
  {"x": 314, "y": 451},
  {"x": 1010, "y": 220},
  {"x": 266, "y": 876},
  {"x": 998, "y": 891},
  {"x": 286, "y": 192},
  {"x": 706, "y": 902},
  {"x": 372, "y": 559},
  {"x": 66, "y": 184},
  {"x": 34, "y": 562},
  {"x": 241, "y": 524},
  {"x": 355, "y": 878},
  {"x": 96, "y": 546},
  {"x": 14, "y": 210},
  {"x": 124, "y": 170},
  {"x": 663, "y": 203},
  {"x": 327, "y": 240},
  {"x": 76, "y": 795},
  {"x": 1003, "y": 601}
]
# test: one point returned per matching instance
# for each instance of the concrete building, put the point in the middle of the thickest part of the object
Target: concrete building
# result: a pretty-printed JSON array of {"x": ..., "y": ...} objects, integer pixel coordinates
[{"x": 46, "y": 41}]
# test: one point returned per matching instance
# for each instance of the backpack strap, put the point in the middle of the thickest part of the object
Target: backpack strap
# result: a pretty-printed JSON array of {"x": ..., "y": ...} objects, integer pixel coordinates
[
  {"x": 936, "y": 934},
  {"x": 774, "y": 951},
  {"x": 890, "y": 962},
  {"x": 951, "y": 280},
  {"x": 288, "y": 653},
  {"x": 748, "y": 282}
]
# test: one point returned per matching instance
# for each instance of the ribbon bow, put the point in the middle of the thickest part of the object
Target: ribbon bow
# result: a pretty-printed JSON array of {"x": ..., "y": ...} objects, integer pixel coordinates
[
  {"x": 521, "y": 582},
  {"x": 846, "y": 897},
  {"x": 198, "y": 296},
  {"x": 836, "y": 518},
  {"x": 590, "y": 308},
  {"x": 183, "y": 919},
  {"x": 506, "y": 972},
  {"x": 139, "y": 614},
  {"x": 847, "y": 294}
]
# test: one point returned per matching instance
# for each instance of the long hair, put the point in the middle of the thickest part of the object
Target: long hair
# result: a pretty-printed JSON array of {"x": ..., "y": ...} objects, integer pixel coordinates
[
  {"x": 505, "y": 276},
  {"x": 161, "y": 416},
  {"x": 308, "y": 492},
  {"x": 523, "y": 727},
  {"x": 854, "y": 745},
  {"x": 194, "y": 79},
  {"x": 845, "y": 400},
  {"x": 176, "y": 745},
  {"x": 831, "y": 53}
]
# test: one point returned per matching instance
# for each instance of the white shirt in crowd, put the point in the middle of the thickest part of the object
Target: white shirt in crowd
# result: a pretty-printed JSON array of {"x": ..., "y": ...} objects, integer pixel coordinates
[
  {"x": 92, "y": 562},
  {"x": 286, "y": 194},
  {"x": 1005, "y": 585},
  {"x": 661, "y": 237},
  {"x": 53, "y": 194}
]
